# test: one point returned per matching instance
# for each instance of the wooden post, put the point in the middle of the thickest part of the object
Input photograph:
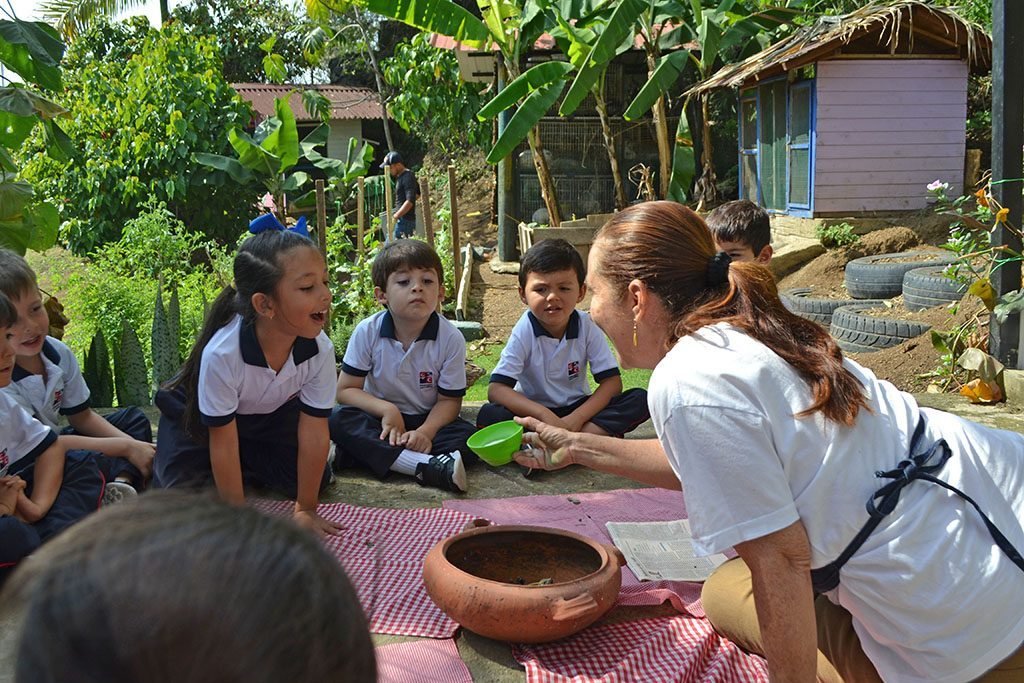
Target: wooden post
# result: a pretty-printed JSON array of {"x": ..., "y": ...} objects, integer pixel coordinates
[
  {"x": 321, "y": 229},
  {"x": 360, "y": 213},
  {"x": 428, "y": 217},
  {"x": 454, "y": 204},
  {"x": 389, "y": 227},
  {"x": 1007, "y": 162}
]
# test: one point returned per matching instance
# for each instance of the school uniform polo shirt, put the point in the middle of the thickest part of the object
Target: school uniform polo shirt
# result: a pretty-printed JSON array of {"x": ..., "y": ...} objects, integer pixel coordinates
[
  {"x": 234, "y": 377},
  {"x": 553, "y": 372},
  {"x": 411, "y": 379},
  {"x": 60, "y": 390},
  {"x": 21, "y": 435}
]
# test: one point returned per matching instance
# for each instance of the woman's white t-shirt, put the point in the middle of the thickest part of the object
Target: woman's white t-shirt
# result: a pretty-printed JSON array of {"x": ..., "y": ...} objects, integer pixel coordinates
[{"x": 932, "y": 597}]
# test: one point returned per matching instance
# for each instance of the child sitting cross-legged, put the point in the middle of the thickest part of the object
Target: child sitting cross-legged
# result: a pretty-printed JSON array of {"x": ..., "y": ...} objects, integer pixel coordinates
[
  {"x": 542, "y": 371},
  {"x": 403, "y": 378},
  {"x": 47, "y": 382},
  {"x": 41, "y": 491}
]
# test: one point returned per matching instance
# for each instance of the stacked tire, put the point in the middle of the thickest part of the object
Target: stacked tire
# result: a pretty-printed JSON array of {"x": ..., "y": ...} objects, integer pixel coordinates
[
  {"x": 799, "y": 301},
  {"x": 857, "y": 332},
  {"x": 881, "y": 276},
  {"x": 928, "y": 287}
]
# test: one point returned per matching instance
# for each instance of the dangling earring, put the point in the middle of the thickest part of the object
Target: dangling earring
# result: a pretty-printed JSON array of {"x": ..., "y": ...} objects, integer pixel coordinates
[{"x": 634, "y": 333}]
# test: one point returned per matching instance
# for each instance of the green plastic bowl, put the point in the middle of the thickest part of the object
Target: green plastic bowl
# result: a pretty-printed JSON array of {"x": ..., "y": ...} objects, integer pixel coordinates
[{"x": 496, "y": 443}]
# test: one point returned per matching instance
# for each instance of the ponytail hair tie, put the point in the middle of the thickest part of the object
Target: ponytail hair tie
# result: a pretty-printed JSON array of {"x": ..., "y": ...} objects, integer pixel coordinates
[{"x": 718, "y": 269}]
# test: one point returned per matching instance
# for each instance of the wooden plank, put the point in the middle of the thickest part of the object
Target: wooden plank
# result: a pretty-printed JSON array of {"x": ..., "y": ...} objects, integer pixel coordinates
[
  {"x": 360, "y": 213},
  {"x": 465, "y": 279},
  {"x": 847, "y": 206},
  {"x": 887, "y": 97},
  {"x": 895, "y": 84},
  {"x": 454, "y": 204},
  {"x": 883, "y": 174},
  {"x": 389, "y": 207},
  {"x": 905, "y": 137},
  {"x": 899, "y": 163},
  {"x": 896, "y": 68},
  {"x": 427, "y": 213},
  {"x": 884, "y": 191},
  {"x": 922, "y": 112},
  {"x": 832, "y": 125},
  {"x": 321, "y": 228},
  {"x": 895, "y": 150}
]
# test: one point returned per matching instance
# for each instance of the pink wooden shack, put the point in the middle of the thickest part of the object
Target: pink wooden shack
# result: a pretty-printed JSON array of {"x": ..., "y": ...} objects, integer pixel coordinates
[{"x": 856, "y": 113}]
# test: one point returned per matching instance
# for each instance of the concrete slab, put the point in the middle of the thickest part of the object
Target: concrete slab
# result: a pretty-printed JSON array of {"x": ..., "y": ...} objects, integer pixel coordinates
[
  {"x": 1013, "y": 382},
  {"x": 792, "y": 251}
]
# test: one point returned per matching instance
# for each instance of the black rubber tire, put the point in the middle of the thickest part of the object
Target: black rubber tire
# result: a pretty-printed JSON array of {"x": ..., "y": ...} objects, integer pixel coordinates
[
  {"x": 866, "y": 278},
  {"x": 859, "y": 333},
  {"x": 928, "y": 287},
  {"x": 818, "y": 310}
]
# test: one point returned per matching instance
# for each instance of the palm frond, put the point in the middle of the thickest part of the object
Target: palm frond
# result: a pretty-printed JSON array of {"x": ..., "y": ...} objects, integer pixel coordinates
[{"x": 71, "y": 18}]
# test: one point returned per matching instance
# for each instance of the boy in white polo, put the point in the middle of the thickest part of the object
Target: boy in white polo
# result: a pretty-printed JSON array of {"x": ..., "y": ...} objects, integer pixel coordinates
[
  {"x": 403, "y": 378},
  {"x": 542, "y": 371}
]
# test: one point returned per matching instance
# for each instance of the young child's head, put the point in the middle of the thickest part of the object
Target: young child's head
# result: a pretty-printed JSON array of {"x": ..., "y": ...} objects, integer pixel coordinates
[
  {"x": 408, "y": 278},
  {"x": 551, "y": 275},
  {"x": 18, "y": 284},
  {"x": 8, "y": 317},
  {"x": 196, "y": 591},
  {"x": 743, "y": 230}
]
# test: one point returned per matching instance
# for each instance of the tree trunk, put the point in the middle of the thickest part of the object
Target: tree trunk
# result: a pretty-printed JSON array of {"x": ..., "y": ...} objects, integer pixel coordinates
[
  {"x": 660, "y": 127},
  {"x": 547, "y": 186},
  {"x": 377, "y": 76},
  {"x": 609, "y": 146},
  {"x": 165, "y": 12},
  {"x": 707, "y": 186}
]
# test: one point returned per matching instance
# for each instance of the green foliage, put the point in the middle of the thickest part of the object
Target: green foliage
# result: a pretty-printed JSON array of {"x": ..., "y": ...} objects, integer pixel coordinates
[
  {"x": 96, "y": 372},
  {"x": 432, "y": 99},
  {"x": 33, "y": 51},
  {"x": 130, "y": 369},
  {"x": 142, "y": 102},
  {"x": 352, "y": 282},
  {"x": 240, "y": 27},
  {"x": 835, "y": 235}
]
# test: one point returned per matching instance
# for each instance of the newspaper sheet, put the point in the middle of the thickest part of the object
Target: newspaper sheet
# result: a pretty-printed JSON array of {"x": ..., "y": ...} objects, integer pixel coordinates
[{"x": 662, "y": 551}]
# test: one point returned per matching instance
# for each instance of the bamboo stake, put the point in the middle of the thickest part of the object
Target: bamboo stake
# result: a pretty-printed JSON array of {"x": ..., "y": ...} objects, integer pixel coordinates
[
  {"x": 454, "y": 204},
  {"x": 428, "y": 218},
  {"x": 360, "y": 214},
  {"x": 389, "y": 224},
  {"x": 321, "y": 229}
]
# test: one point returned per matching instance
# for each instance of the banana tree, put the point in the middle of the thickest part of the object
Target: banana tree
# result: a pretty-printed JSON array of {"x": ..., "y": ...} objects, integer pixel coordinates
[
  {"x": 510, "y": 26},
  {"x": 32, "y": 50}
]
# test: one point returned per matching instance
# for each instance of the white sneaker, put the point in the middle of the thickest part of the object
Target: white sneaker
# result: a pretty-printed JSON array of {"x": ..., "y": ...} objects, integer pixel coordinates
[{"x": 118, "y": 491}]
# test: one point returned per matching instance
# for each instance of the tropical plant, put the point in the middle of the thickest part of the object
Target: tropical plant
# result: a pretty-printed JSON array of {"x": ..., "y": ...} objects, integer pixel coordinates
[
  {"x": 141, "y": 102},
  {"x": 432, "y": 99},
  {"x": 75, "y": 17},
  {"x": 33, "y": 51}
]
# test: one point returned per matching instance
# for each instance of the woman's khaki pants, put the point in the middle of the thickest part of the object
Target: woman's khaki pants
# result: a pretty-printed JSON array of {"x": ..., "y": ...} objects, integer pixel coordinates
[{"x": 728, "y": 599}]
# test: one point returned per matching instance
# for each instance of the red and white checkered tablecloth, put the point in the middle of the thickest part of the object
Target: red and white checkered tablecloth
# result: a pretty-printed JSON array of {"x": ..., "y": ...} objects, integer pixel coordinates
[
  {"x": 674, "y": 649},
  {"x": 382, "y": 552},
  {"x": 436, "y": 661}
]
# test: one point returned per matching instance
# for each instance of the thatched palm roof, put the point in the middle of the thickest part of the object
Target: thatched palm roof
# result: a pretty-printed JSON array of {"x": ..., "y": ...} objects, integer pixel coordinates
[{"x": 889, "y": 28}]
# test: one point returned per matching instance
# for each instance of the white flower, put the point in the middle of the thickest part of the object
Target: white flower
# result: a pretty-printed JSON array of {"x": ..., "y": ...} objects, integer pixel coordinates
[{"x": 937, "y": 186}]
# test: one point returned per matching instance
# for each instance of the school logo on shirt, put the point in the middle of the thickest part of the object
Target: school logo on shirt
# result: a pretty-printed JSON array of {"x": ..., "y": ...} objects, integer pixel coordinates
[
  {"x": 58, "y": 398},
  {"x": 426, "y": 379},
  {"x": 574, "y": 369},
  {"x": 4, "y": 462}
]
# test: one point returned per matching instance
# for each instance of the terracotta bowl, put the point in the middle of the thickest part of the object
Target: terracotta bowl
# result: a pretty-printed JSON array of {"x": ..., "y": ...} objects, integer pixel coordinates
[{"x": 523, "y": 584}]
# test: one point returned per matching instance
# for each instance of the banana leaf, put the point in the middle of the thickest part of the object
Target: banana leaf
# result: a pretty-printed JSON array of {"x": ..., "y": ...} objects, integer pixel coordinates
[
  {"x": 684, "y": 161},
  {"x": 526, "y": 117},
  {"x": 251, "y": 155},
  {"x": 33, "y": 50},
  {"x": 283, "y": 142},
  {"x": 232, "y": 167},
  {"x": 662, "y": 78},
  {"x": 437, "y": 16},
  {"x": 530, "y": 80}
]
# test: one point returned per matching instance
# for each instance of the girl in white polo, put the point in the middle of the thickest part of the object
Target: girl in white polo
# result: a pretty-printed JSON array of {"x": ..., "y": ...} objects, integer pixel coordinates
[{"x": 251, "y": 403}]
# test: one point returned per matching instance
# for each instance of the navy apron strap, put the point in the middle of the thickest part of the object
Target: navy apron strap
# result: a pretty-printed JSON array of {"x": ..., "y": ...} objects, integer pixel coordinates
[{"x": 883, "y": 501}]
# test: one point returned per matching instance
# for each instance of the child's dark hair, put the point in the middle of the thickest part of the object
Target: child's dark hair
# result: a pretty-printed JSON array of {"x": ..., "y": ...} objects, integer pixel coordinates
[
  {"x": 8, "y": 313},
  {"x": 16, "y": 276},
  {"x": 551, "y": 256},
  {"x": 405, "y": 253},
  {"x": 257, "y": 270},
  {"x": 197, "y": 590},
  {"x": 741, "y": 221}
]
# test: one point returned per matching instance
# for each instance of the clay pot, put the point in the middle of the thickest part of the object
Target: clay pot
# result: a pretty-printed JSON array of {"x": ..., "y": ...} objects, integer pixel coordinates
[{"x": 481, "y": 578}]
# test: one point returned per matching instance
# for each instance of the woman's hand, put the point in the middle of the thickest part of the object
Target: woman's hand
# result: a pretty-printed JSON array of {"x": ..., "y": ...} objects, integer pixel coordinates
[
  {"x": 393, "y": 426},
  {"x": 311, "y": 519},
  {"x": 550, "y": 448}
]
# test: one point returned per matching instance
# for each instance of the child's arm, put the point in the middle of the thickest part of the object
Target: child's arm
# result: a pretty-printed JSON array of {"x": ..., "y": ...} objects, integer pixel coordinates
[
  {"x": 520, "y": 405},
  {"x": 226, "y": 463},
  {"x": 351, "y": 393},
  {"x": 96, "y": 434},
  {"x": 314, "y": 441},
  {"x": 445, "y": 411},
  {"x": 47, "y": 476},
  {"x": 607, "y": 389}
]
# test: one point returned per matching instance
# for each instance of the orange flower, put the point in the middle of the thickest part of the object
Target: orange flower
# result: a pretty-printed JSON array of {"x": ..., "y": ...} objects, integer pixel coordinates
[
  {"x": 982, "y": 197},
  {"x": 1001, "y": 214}
]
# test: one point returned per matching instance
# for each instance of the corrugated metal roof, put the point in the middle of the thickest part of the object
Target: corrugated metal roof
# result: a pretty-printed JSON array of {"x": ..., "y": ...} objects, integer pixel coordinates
[{"x": 346, "y": 102}]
